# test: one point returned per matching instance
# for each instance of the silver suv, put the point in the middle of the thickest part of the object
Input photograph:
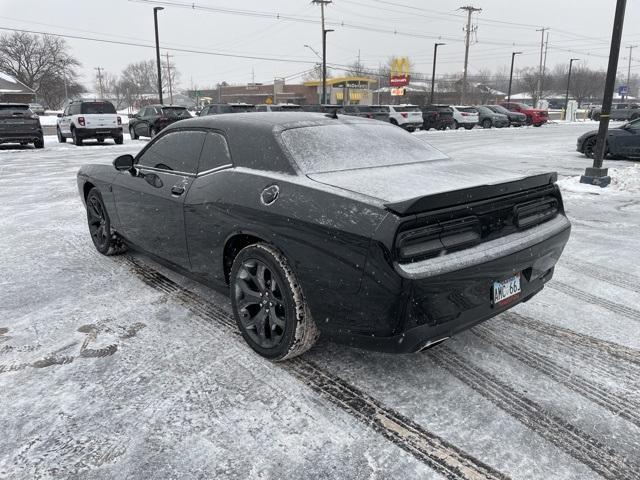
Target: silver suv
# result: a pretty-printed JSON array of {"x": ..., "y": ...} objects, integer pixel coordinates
[{"x": 82, "y": 120}]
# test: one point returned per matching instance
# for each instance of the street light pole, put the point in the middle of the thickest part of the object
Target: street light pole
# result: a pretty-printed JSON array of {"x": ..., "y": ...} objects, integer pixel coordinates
[
  {"x": 597, "y": 175},
  {"x": 324, "y": 65},
  {"x": 566, "y": 97},
  {"x": 513, "y": 56},
  {"x": 433, "y": 73},
  {"x": 155, "y": 24}
]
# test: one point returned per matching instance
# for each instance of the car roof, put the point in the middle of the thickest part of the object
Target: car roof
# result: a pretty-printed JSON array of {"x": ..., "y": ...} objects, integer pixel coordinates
[{"x": 12, "y": 104}]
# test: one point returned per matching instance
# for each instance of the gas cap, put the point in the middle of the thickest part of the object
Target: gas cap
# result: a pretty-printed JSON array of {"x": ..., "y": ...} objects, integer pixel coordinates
[{"x": 270, "y": 194}]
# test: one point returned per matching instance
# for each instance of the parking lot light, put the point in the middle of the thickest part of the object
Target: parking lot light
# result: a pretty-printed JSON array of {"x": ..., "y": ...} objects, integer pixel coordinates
[
  {"x": 513, "y": 56},
  {"x": 596, "y": 175},
  {"x": 566, "y": 97},
  {"x": 155, "y": 25},
  {"x": 433, "y": 73}
]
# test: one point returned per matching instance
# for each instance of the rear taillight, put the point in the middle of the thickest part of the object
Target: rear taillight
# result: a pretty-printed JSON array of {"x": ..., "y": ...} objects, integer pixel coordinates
[
  {"x": 119, "y": 120},
  {"x": 532, "y": 213},
  {"x": 369, "y": 115},
  {"x": 404, "y": 114},
  {"x": 465, "y": 114},
  {"x": 437, "y": 239},
  {"x": 81, "y": 121}
]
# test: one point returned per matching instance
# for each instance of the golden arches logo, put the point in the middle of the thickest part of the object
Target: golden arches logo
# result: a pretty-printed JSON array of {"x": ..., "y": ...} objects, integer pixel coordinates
[{"x": 400, "y": 67}]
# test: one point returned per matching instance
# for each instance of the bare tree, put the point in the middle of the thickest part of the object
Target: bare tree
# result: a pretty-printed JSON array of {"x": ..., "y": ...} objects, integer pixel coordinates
[
  {"x": 528, "y": 82},
  {"x": 316, "y": 73},
  {"x": 41, "y": 62}
]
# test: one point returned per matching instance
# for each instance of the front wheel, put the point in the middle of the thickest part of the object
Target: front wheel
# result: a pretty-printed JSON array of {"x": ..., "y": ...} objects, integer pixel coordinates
[
  {"x": 269, "y": 305},
  {"x": 589, "y": 146},
  {"x": 456, "y": 125},
  {"x": 61, "y": 138},
  {"x": 105, "y": 241},
  {"x": 486, "y": 123},
  {"x": 39, "y": 143},
  {"x": 132, "y": 133},
  {"x": 153, "y": 132}
]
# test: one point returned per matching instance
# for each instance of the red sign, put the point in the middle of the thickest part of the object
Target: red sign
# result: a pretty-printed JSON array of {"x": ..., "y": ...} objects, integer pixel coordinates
[{"x": 399, "y": 80}]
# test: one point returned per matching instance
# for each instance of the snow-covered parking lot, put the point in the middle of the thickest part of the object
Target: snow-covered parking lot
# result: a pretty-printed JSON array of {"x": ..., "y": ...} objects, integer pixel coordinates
[{"x": 114, "y": 367}]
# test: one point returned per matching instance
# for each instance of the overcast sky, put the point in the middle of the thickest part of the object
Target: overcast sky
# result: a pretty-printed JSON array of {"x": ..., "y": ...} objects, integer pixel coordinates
[{"x": 579, "y": 28}]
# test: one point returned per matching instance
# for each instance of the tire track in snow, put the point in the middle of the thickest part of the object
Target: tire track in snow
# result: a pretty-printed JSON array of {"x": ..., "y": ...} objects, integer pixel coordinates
[
  {"x": 624, "y": 407},
  {"x": 630, "y": 282},
  {"x": 614, "y": 307},
  {"x": 570, "y": 337},
  {"x": 599, "y": 457},
  {"x": 442, "y": 456}
]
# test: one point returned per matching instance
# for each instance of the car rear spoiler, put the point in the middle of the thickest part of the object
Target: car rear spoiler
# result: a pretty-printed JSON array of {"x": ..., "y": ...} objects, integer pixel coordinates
[{"x": 467, "y": 195}]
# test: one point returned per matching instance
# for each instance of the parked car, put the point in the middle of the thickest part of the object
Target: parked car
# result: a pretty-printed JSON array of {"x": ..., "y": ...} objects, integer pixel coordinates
[
  {"x": 619, "y": 112},
  {"x": 279, "y": 107},
  {"x": 439, "y": 117},
  {"x": 328, "y": 235},
  {"x": 36, "y": 108},
  {"x": 487, "y": 118},
  {"x": 408, "y": 117},
  {"x": 325, "y": 108},
  {"x": 623, "y": 141},
  {"x": 150, "y": 120},
  {"x": 82, "y": 120},
  {"x": 18, "y": 124},
  {"x": 535, "y": 116},
  {"x": 216, "y": 109},
  {"x": 464, "y": 116},
  {"x": 516, "y": 119},
  {"x": 376, "y": 112}
]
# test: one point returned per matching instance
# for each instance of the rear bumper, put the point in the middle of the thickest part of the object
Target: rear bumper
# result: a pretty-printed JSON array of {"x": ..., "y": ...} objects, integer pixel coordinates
[
  {"x": 99, "y": 132},
  {"x": 425, "y": 309},
  {"x": 24, "y": 136}
]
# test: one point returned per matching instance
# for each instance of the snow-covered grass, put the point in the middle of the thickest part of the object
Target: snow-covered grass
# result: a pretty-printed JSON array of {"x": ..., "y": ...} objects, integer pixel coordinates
[{"x": 103, "y": 375}]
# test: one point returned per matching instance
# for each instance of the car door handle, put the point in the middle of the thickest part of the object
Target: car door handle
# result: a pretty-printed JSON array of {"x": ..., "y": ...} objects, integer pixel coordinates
[{"x": 177, "y": 190}]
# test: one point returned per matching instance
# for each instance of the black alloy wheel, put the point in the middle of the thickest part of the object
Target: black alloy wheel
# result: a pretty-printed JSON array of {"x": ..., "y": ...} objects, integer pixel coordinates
[
  {"x": 268, "y": 304},
  {"x": 589, "y": 146},
  {"x": 104, "y": 240}
]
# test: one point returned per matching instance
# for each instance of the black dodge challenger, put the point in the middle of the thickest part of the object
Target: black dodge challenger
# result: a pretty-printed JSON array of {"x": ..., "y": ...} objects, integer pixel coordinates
[{"x": 338, "y": 225}]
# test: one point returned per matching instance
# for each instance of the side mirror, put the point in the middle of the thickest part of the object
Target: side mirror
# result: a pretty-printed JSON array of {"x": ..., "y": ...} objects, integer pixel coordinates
[
  {"x": 59, "y": 115},
  {"x": 123, "y": 163}
]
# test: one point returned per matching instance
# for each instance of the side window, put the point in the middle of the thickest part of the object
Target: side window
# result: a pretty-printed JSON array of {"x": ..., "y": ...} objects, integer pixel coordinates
[
  {"x": 176, "y": 151},
  {"x": 66, "y": 111},
  {"x": 74, "y": 109},
  {"x": 142, "y": 112},
  {"x": 215, "y": 153},
  {"x": 261, "y": 108}
]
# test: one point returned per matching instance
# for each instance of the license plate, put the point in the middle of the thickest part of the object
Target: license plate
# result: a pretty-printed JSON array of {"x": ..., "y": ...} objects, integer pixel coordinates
[
  {"x": 506, "y": 289},
  {"x": 103, "y": 132}
]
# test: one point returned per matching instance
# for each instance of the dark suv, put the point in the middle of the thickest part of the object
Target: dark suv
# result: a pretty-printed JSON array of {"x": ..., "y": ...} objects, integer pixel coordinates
[
  {"x": 151, "y": 119},
  {"x": 439, "y": 117},
  {"x": 220, "y": 108},
  {"x": 20, "y": 125}
]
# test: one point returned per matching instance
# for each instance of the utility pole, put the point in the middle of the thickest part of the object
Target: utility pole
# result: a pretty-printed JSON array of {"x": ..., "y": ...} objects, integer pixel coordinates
[
  {"x": 467, "y": 41},
  {"x": 322, "y": 3},
  {"x": 155, "y": 25},
  {"x": 597, "y": 175},
  {"x": 566, "y": 97},
  {"x": 99, "y": 70},
  {"x": 539, "y": 83},
  {"x": 433, "y": 72},
  {"x": 169, "y": 67},
  {"x": 630, "y": 47},
  {"x": 544, "y": 64}
]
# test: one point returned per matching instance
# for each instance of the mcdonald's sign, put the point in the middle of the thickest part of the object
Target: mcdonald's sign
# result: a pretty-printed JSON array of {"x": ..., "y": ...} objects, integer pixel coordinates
[{"x": 399, "y": 72}]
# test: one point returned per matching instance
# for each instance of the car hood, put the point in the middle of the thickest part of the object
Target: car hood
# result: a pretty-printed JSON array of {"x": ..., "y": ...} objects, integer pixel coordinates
[
  {"x": 398, "y": 183},
  {"x": 610, "y": 132}
]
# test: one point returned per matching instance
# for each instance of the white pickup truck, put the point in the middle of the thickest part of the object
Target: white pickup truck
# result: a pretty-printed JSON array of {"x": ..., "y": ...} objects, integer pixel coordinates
[{"x": 82, "y": 120}]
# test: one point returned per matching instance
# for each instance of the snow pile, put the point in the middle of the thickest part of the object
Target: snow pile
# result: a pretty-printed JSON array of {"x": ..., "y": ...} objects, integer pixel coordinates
[{"x": 623, "y": 180}]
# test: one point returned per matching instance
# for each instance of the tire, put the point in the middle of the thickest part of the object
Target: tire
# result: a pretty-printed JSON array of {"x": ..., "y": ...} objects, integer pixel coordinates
[
  {"x": 468, "y": 127},
  {"x": 100, "y": 140},
  {"x": 119, "y": 140},
  {"x": 529, "y": 120},
  {"x": 393, "y": 122},
  {"x": 61, "y": 138},
  {"x": 105, "y": 241},
  {"x": 132, "y": 133},
  {"x": 152, "y": 132},
  {"x": 39, "y": 143},
  {"x": 76, "y": 139},
  {"x": 283, "y": 328},
  {"x": 589, "y": 146},
  {"x": 456, "y": 125},
  {"x": 486, "y": 123},
  {"x": 411, "y": 129}
]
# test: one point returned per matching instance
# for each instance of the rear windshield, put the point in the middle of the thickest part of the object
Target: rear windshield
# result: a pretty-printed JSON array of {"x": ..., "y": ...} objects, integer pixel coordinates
[
  {"x": 499, "y": 109},
  {"x": 406, "y": 109},
  {"x": 97, "y": 107},
  {"x": 468, "y": 109},
  {"x": 14, "y": 110},
  {"x": 287, "y": 107},
  {"x": 330, "y": 148},
  {"x": 175, "y": 112},
  {"x": 242, "y": 108}
]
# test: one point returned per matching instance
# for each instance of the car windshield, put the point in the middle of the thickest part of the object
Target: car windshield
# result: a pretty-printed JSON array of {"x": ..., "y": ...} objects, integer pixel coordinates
[
  {"x": 89, "y": 108},
  {"x": 330, "y": 148},
  {"x": 406, "y": 109},
  {"x": 14, "y": 110},
  {"x": 173, "y": 112},
  {"x": 485, "y": 110}
]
